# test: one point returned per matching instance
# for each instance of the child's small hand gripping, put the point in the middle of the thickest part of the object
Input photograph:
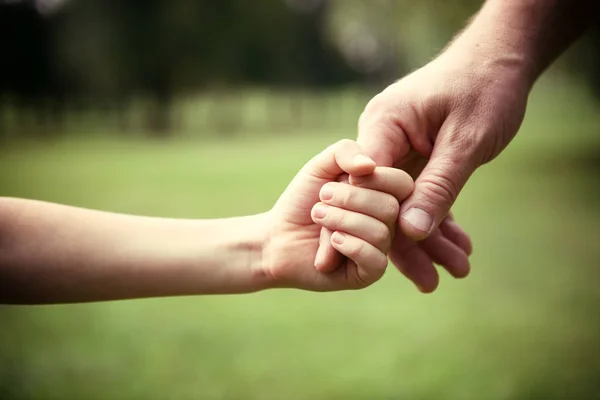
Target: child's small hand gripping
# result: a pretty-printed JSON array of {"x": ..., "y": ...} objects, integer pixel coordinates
[
  {"x": 376, "y": 195},
  {"x": 362, "y": 217}
]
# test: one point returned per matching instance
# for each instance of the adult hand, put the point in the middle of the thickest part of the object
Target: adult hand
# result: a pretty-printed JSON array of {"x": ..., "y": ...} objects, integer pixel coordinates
[{"x": 439, "y": 124}]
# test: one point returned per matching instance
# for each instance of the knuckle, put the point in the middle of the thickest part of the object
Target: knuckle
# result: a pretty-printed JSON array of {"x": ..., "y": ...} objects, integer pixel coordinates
[
  {"x": 373, "y": 271},
  {"x": 363, "y": 117},
  {"x": 374, "y": 104},
  {"x": 344, "y": 143},
  {"x": 380, "y": 264},
  {"x": 363, "y": 280},
  {"x": 347, "y": 197},
  {"x": 341, "y": 219},
  {"x": 391, "y": 209},
  {"x": 357, "y": 249},
  {"x": 381, "y": 234},
  {"x": 377, "y": 109},
  {"x": 406, "y": 181},
  {"x": 443, "y": 187}
]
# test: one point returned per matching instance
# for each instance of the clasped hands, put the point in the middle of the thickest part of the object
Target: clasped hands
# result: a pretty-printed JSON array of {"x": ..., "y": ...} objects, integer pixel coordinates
[{"x": 340, "y": 216}]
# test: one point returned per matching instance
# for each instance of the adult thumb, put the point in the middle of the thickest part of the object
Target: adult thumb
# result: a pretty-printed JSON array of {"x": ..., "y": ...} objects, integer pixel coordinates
[{"x": 436, "y": 190}]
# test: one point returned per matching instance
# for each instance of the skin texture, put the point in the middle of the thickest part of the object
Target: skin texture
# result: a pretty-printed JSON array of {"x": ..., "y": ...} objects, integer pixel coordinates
[
  {"x": 52, "y": 253},
  {"x": 459, "y": 112}
]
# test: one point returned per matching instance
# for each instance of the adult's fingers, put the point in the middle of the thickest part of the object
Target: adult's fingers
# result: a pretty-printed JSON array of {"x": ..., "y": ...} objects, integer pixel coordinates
[
  {"x": 414, "y": 263},
  {"x": 451, "y": 230},
  {"x": 444, "y": 252}
]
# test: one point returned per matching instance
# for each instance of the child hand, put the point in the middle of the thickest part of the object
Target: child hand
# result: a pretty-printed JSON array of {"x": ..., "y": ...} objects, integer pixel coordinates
[
  {"x": 362, "y": 217},
  {"x": 344, "y": 195}
]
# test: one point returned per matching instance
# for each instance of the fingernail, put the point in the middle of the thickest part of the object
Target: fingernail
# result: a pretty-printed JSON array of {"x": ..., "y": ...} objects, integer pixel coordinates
[
  {"x": 418, "y": 218},
  {"x": 362, "y": 159},
  {"x": 327, "y": 192},
  {"x": 319, "y": 257},
  {"x": 338, "y": 237},
  {"x": 319, "y": 211}
]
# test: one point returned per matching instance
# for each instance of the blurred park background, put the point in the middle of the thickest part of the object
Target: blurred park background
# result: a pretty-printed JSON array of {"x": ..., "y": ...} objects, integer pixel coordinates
[{"x": 206, "y": 109}]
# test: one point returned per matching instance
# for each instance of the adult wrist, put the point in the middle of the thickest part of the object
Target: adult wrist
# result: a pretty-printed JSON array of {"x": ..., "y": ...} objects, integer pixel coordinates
[
  {"x": 527, "y": 35},
  {"x": 499, "y": 42}
]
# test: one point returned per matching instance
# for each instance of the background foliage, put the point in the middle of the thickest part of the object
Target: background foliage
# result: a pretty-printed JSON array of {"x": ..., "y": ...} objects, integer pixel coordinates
[{"x": 240, "y": 94}]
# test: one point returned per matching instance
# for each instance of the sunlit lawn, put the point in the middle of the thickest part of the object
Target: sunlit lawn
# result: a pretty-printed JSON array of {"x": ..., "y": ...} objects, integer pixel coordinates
[{"x": 524, "y": 325}]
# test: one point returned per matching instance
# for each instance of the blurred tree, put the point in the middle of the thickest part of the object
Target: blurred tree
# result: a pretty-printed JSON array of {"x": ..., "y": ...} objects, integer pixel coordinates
[
  {"x": 110, "y": 51},
  {"x": 28, "y": 74},
  {"x": 590, "y": 58},
  {"x": 387, "y": 38},
  {"x": 164, "y": 49}
]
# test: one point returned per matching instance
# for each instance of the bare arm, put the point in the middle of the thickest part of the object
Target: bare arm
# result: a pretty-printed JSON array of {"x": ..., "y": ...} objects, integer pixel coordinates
[
  {"x": 460, "y": 111},
  {"x": 52, "y": 253},
  {"x": 56, "y": 253},
  {"x": 528, "y": 34}
]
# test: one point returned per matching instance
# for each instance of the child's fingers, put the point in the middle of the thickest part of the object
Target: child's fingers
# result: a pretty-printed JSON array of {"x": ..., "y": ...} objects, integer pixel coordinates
[
  {"x": 370, "y": 261},
  {"x": 344, "y": 156},
  {"x": 379, "y": 205},
  {"x": 388, "y": 180},
  {"x": 360, "y": 225},
  {"x": 327, "y": 258}
]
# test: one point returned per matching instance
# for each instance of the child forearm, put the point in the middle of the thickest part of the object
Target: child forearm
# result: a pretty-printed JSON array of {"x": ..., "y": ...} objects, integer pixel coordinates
[{"x": 53, "y": 254}]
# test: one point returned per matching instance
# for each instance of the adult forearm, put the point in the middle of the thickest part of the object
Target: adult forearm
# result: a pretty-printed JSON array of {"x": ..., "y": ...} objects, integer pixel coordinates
[
  {"x": 52, "y": 254},
  {"x": 526, "y": 35}
]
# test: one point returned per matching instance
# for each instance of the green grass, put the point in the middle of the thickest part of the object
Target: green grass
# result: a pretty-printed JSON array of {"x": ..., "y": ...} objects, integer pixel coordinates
[{"x": 524, "y": 325}]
